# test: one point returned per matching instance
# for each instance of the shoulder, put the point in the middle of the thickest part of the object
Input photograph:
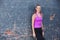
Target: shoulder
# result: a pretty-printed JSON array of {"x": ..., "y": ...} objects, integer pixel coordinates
[{"x": 34, "y": 15}]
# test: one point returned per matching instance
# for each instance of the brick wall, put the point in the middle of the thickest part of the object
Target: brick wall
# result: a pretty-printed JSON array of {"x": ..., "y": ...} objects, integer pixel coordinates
[{"x": 15, "y": 15}]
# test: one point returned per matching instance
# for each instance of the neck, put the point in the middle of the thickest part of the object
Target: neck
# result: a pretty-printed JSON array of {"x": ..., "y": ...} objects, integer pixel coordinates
[{"x": 37, "y": 12}]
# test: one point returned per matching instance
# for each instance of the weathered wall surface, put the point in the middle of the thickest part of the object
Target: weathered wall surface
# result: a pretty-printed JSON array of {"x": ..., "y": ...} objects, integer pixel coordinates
[{"x": 15, "y": 15}]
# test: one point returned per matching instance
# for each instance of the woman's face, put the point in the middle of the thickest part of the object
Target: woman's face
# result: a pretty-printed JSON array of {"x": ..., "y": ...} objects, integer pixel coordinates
[{"x": 38, "y": 8}]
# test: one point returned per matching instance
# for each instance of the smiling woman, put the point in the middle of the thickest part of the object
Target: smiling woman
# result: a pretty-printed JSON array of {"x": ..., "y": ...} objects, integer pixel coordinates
[{"x": 37, "y": 25}]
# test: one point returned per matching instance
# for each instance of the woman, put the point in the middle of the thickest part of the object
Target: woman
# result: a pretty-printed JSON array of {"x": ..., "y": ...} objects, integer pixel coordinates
[{"x": 37, "y": 25}]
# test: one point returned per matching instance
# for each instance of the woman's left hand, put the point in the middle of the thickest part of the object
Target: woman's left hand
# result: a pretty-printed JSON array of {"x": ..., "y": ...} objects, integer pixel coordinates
[{"x": 43, "y": 34}]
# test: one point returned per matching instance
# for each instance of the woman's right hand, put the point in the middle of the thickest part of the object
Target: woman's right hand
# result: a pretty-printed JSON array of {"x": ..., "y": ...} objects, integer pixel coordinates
[{"x": 34, "y": 35}]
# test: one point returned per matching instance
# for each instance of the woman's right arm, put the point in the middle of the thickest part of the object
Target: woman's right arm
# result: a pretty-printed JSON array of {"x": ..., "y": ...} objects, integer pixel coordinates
[{"x": 33, "y": 17}]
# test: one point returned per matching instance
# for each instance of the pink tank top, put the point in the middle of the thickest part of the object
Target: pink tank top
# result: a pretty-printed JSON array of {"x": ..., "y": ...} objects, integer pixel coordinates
[{"x": 38, "y": 21}]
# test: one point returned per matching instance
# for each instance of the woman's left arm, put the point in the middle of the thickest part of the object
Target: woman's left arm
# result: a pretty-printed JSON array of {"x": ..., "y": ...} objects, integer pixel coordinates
[
  {"x": 42, "y": 29},
  {"x": 42, "y": 26}
]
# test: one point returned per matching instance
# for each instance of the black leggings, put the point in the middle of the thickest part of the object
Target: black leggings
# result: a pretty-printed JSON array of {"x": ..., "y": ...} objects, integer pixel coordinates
[{"x": 38, "y": 32}]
